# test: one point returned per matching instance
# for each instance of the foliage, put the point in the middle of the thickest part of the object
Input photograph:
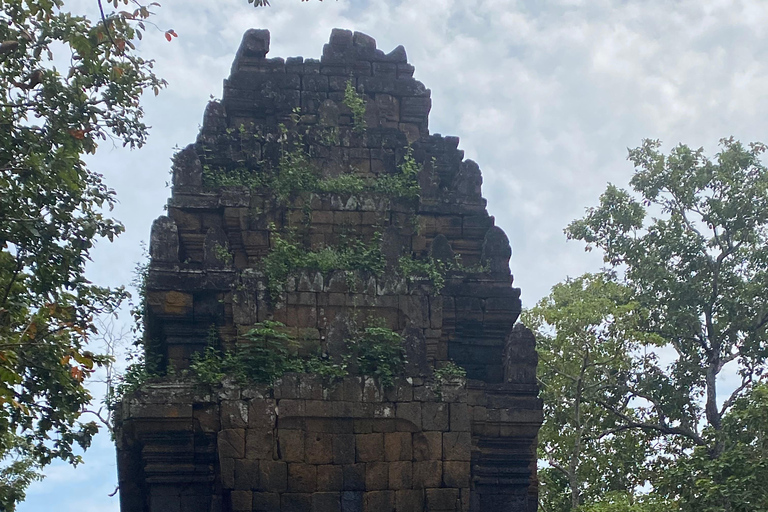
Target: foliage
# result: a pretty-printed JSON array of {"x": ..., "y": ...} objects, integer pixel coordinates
[
  {"x": 19, "y": 469},
  {"x": 296, "y": 174},
  {"x": 431, "y": 269},
  {"x": 269, "y": 351},
  {"x": 701, "y": 269},
  {"x": 405, "y": 183},
  {"x": 586, "y": 331},
  {"x": 135, "y": 375},
  {"x": 735, "y": 480},
  {"x": 51, "y": 211},
  {"x": 630, "y": 502},
  {"x": 378, "y": 352},
  {"x": 343, "y": 184},
  {"x": 356, "y": 103},
  {"x": 434, "y": 270},
  {"x": 223, "y": 254},
  {"x": 237, "y": 177},
  {"x": 693, "y": 249},
  {"x": 448, "y": 372},
  {"x": 287, "y": 256},
  {"x": 325, "y": 367},
  {"x": 294, "y": 171}
]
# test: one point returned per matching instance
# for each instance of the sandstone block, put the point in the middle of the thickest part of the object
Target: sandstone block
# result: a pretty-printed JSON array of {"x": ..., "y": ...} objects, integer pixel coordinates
[
  {"x": 326, "y": 502},
  {"x": 379, "y": 501},
  {"x": 376, "y": 476},
  {"x": 291, "y": 443},
  {"x": 330, "y": 477},
  {"x": 400, "y": 475},
  {"x": 369, "y": 447},
  {"x": 273, "y": 476},
  {"x": 295, "y": 502},
  {"x": 409, "y": 500},
  {"x": 457, "y": 446},
  {"x": 456, "y": 473},
  {"x": 409, "y": 411},
  {"x": 427, "y": 445},
  {"x": 343, "y": 449},
  {"x": 242, "y": 501},
  {"x": 266, "y": 501},
  {"x": 259, "y": 444},
  {"x": 435, "y": 416},
  {"x": 352, "y": 501},
  {"x": 354, "y": 477},
  {"x": 398, "y": 446},
  {"x": 246, "y": 474},
  {"x": 318, "y": 447},
  {"x": 231, "y": 443},
  {"x": 427, "y": 474},
  {"x": 443, "y": 499},
  {"x": 302, "y": 478},
  {"x": 459, "y": 417}
]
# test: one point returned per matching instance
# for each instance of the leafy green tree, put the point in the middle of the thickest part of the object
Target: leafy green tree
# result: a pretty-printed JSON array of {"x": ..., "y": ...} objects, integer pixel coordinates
[
  {"x": 586, "y": 332},
  {"x": 693, "y": 248},
  {"x": 735, "y": 480},
  {"x": 630, "y": 502},
  {"x": 67, "y": 83}
]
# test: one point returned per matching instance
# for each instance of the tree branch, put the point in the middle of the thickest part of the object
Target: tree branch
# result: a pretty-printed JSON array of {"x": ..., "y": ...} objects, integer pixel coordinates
[{"x": 106, "y": 25}]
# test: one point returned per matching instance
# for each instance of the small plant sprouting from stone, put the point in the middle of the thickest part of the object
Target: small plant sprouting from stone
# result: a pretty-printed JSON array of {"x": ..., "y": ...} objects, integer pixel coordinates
[
  {"x": 268, "y": 351},
  {"x": 287, "y": 256},
  {"x": 329, "y": 136},
  {"x": 433, "y": 270},
  {"x": 356, "y": 103},
  {"x": 436, "y": 271},
  {"x": 223, "y": 254},
  {"x": 403, "y": 184},
  {"x": 449, "y": 372},
  {"x": 379, "y": 352}
]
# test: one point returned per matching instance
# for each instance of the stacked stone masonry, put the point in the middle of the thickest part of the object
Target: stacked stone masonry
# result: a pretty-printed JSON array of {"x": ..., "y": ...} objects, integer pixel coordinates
[{"x": 421, "y": 444}]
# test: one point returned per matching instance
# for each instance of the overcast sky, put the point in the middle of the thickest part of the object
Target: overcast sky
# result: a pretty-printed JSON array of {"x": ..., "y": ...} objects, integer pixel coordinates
[{"x": 545, "y": 95}]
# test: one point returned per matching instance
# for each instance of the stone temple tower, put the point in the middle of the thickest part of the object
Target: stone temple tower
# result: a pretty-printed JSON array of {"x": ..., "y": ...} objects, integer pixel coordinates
[{"x": 329, "y": 310}]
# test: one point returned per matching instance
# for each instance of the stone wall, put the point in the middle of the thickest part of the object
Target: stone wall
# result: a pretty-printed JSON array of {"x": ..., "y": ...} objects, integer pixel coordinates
[{"x": 423, "y": 443}]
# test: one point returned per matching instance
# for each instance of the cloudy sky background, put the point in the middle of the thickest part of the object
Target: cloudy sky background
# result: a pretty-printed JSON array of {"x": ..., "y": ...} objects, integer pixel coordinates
[{"x": 545, "y": 95}]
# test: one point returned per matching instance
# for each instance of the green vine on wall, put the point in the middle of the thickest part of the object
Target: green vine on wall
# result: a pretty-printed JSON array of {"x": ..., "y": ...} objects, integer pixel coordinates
[
  {"x": 356, "y": 103},
  {"x": 267, "y": 352},
  {"x": 449, "y": 372},
  {"x": 287, "y": 256},
  {"x": 378, "y": 352},
  {"x": 436, "y": 271},
  {"x": 295, "y": 174},
  {"x": 433, "y": 270}
]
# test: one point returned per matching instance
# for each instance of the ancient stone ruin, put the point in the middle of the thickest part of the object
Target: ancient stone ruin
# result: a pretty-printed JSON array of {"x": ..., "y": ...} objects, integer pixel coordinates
[{"x": 328, "y": 308}]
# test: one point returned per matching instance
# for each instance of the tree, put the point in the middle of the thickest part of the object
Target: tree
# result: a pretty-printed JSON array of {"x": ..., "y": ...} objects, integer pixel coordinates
[
  {"x": 586, "y": 332},
  {"x": 735, "y": 480},
  {"x": 694, "y": 251},
  {"x": 67, "y": 83}
]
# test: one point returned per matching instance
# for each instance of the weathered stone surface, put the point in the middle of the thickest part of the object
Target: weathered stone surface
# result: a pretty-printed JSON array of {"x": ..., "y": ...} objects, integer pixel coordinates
[
  {"x": 255, "y": 44},
  {"x": 306, "y": 442},
  {"x": 164, "y": 241}
]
